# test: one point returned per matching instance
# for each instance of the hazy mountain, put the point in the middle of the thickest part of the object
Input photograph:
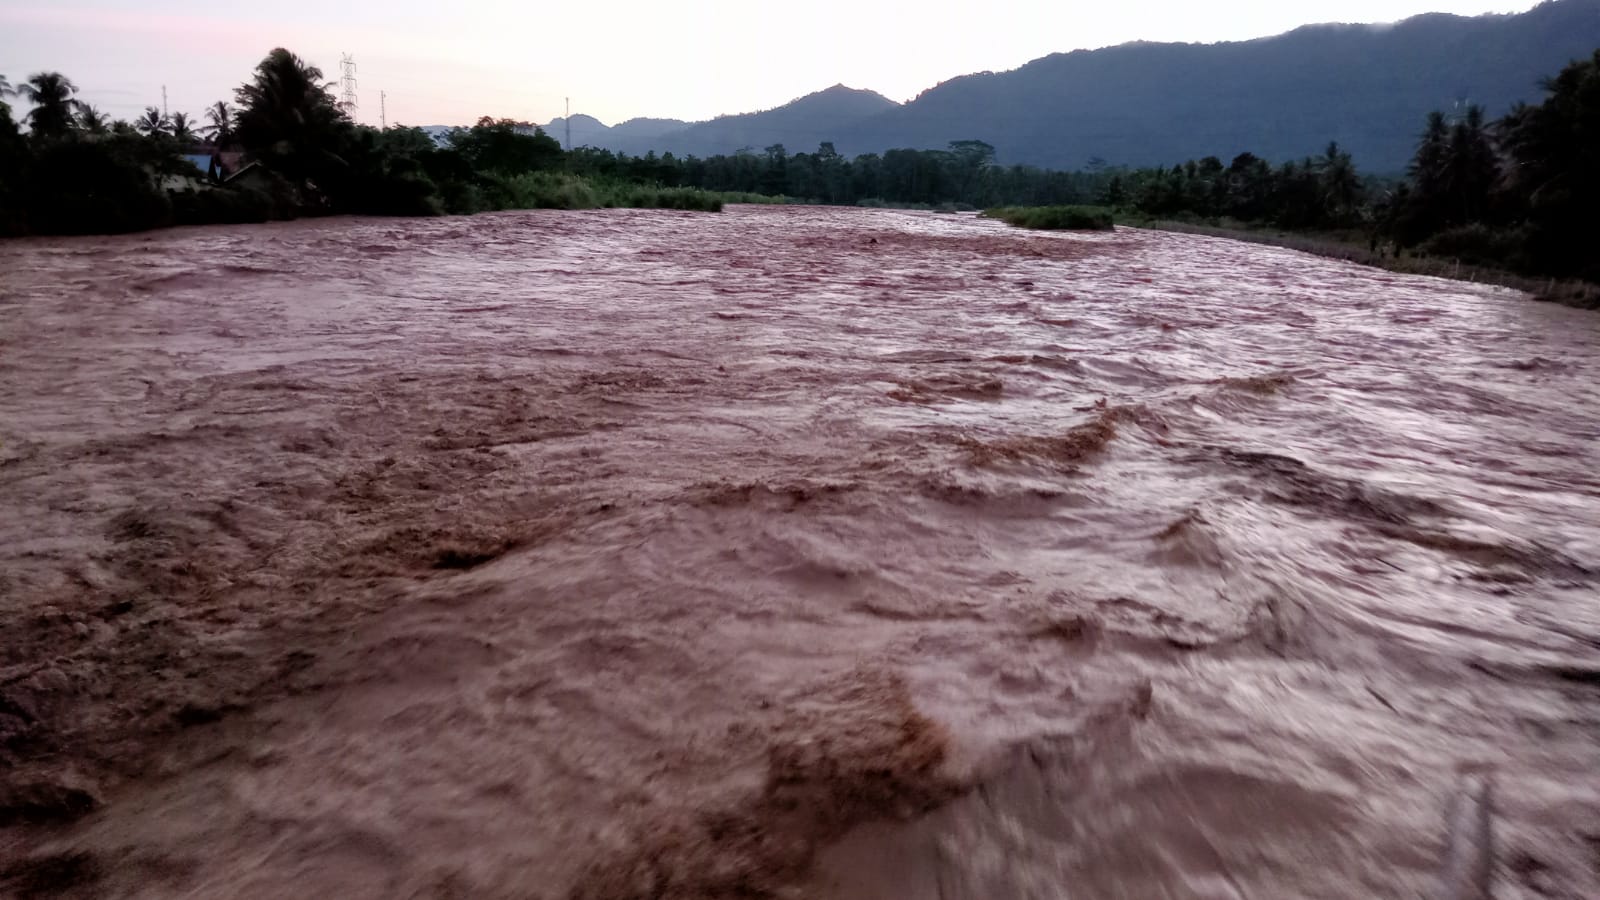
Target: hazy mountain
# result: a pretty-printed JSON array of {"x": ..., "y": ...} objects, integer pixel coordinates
[
  {"x": 587, "y": 131},
  {"x": 1366, "y": 86},
  {"x": 645, "y": 128},
  {"x": 799, "y": 125}
]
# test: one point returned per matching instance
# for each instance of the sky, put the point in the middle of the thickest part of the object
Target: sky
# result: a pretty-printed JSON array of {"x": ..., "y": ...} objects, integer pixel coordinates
[{"x": 450, "y": 61}]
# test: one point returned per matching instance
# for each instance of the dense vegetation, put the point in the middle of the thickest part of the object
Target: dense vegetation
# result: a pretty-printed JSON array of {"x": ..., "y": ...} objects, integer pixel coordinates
[
  {"x": 1055, "y": 218},
  {"x": 76, "y": 172},
  {"x": 964, "y": 176},
  {"x": 1520, "y": 193}
]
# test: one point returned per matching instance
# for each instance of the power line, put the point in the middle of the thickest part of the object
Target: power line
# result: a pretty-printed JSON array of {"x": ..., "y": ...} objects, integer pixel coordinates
[{"x": 347, "y": 84}]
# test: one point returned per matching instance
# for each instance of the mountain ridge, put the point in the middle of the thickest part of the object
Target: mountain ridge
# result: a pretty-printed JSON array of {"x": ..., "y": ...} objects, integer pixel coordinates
[{"x": 1366, "y": 86}]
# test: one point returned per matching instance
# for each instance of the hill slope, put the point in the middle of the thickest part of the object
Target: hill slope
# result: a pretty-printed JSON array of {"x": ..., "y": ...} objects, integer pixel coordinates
[
  {"x": 1366, "y": 86},
  {"x": 799, "y": 125},
  {"x": 587, "y": 131}
]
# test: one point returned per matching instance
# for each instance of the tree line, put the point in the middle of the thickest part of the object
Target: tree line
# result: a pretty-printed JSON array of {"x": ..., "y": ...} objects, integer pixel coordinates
[
  {"x": 1521, "y": 193},
  {"x": 75, "y": 171},
  {"x": 1516, "y": 193}
]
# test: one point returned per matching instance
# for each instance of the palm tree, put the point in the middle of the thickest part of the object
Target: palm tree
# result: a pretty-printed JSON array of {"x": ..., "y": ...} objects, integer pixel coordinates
[
  {"x": 220, "y": 131},
  {"x": 53, "y": 106},
  {"x": 5, "y": 87},
  {"x": 1470, "y": 167},
  {"x": 1553, "y": 161},
  {"x": 1427, "y": 167},
  {"x": 92, "y": 120},
  {"x": 182, "y": 129},
  {"x": 1341, "y": 188},
  {"x": 288, "y": 116},
  {"x": 151, "y": 123}
]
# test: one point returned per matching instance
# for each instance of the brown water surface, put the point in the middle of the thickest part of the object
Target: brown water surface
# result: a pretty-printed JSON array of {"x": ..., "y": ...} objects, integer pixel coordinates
[{"x": 785, "y": 552}]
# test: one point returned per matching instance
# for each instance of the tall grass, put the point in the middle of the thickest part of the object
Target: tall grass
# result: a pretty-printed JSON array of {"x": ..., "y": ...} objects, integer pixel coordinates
[{"x": 1054, "y": 218}]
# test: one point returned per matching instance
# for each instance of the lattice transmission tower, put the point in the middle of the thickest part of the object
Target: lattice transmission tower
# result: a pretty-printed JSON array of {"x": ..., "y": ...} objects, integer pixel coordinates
[{"x": 347, "y": 85}]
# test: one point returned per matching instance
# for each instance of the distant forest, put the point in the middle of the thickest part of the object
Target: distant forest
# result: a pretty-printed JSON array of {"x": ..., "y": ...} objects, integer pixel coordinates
[{"x": 1519, "y": 192}]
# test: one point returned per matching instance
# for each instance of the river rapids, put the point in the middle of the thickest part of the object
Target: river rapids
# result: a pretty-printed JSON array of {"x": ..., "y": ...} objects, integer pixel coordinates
[{"x": 788, "y": 552}]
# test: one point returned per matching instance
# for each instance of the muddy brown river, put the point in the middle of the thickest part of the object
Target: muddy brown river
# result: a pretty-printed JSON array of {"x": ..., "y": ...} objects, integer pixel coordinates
[{"x": 788, "y": 552}]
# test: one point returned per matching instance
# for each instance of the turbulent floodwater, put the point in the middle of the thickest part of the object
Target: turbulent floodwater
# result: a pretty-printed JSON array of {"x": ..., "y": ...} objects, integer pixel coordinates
[{"x": 786, "y": 552}]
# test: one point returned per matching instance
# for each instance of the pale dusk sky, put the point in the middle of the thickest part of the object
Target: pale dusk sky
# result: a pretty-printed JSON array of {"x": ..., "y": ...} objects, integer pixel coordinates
[{"x": 450, "y": 62}]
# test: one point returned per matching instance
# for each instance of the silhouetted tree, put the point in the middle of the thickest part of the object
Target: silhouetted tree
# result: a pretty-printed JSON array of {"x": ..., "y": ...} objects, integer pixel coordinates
[
  {"x": 1470, "y": 169},
  {"x": 1116, "y": 194},
  {"x": 1249, "y": 188},
  {"x": 182, "y": 129},
  {"x": 220, "y": 129},
  {"x": 1554, "y": 150},
  {"x": 1341, "y": 188},
  {"x": 506, "y": 147},
  {"x": 152, "y": 123},
  {"x": 15, "y": 161},
  {"x": 54, "y": 109},
  {"x": 92, "y": 120},
  {"x": 288, "y": 118}
]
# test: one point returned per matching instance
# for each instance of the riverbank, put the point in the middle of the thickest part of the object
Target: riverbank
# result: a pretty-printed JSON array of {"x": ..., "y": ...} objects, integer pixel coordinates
[{"x": 1580, "y": 294}]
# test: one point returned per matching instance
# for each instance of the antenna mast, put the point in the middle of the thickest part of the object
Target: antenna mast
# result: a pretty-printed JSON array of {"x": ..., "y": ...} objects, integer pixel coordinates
[
  {"x": 383, "y": 110},
  {"x": 164, "y": 101},
  {"x": 347, "y": 85}
]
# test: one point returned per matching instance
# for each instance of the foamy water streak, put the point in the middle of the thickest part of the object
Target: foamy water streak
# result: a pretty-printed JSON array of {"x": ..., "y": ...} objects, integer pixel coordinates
[{"x": 831, "y": 552}]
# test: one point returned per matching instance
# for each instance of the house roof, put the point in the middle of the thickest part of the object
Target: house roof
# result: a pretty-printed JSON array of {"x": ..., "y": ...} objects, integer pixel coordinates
[{"x": 247, "y": 167}]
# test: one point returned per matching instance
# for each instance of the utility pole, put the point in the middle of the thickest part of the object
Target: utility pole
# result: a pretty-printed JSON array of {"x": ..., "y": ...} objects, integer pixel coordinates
[
  {"x": 347, "y": 85},
  {"x": 164, "y": 102},
  {"x": 383, "y": 110},
  {"x": 569, "y": 124}
]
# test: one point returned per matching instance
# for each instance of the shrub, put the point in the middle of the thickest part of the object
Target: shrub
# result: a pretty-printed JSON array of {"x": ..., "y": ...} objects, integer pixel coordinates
[
  {"x": 1477, "y": 244},
  {"x": 563, "y": 190},
  {"x": 1054, "y": 218},
  {"x": 220, "y": 206},
  {"x": 93, "y": 187}
]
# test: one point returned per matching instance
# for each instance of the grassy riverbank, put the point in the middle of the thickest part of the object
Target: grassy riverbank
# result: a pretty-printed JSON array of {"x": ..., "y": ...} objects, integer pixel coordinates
[{"x": 1356, "y": 247}]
